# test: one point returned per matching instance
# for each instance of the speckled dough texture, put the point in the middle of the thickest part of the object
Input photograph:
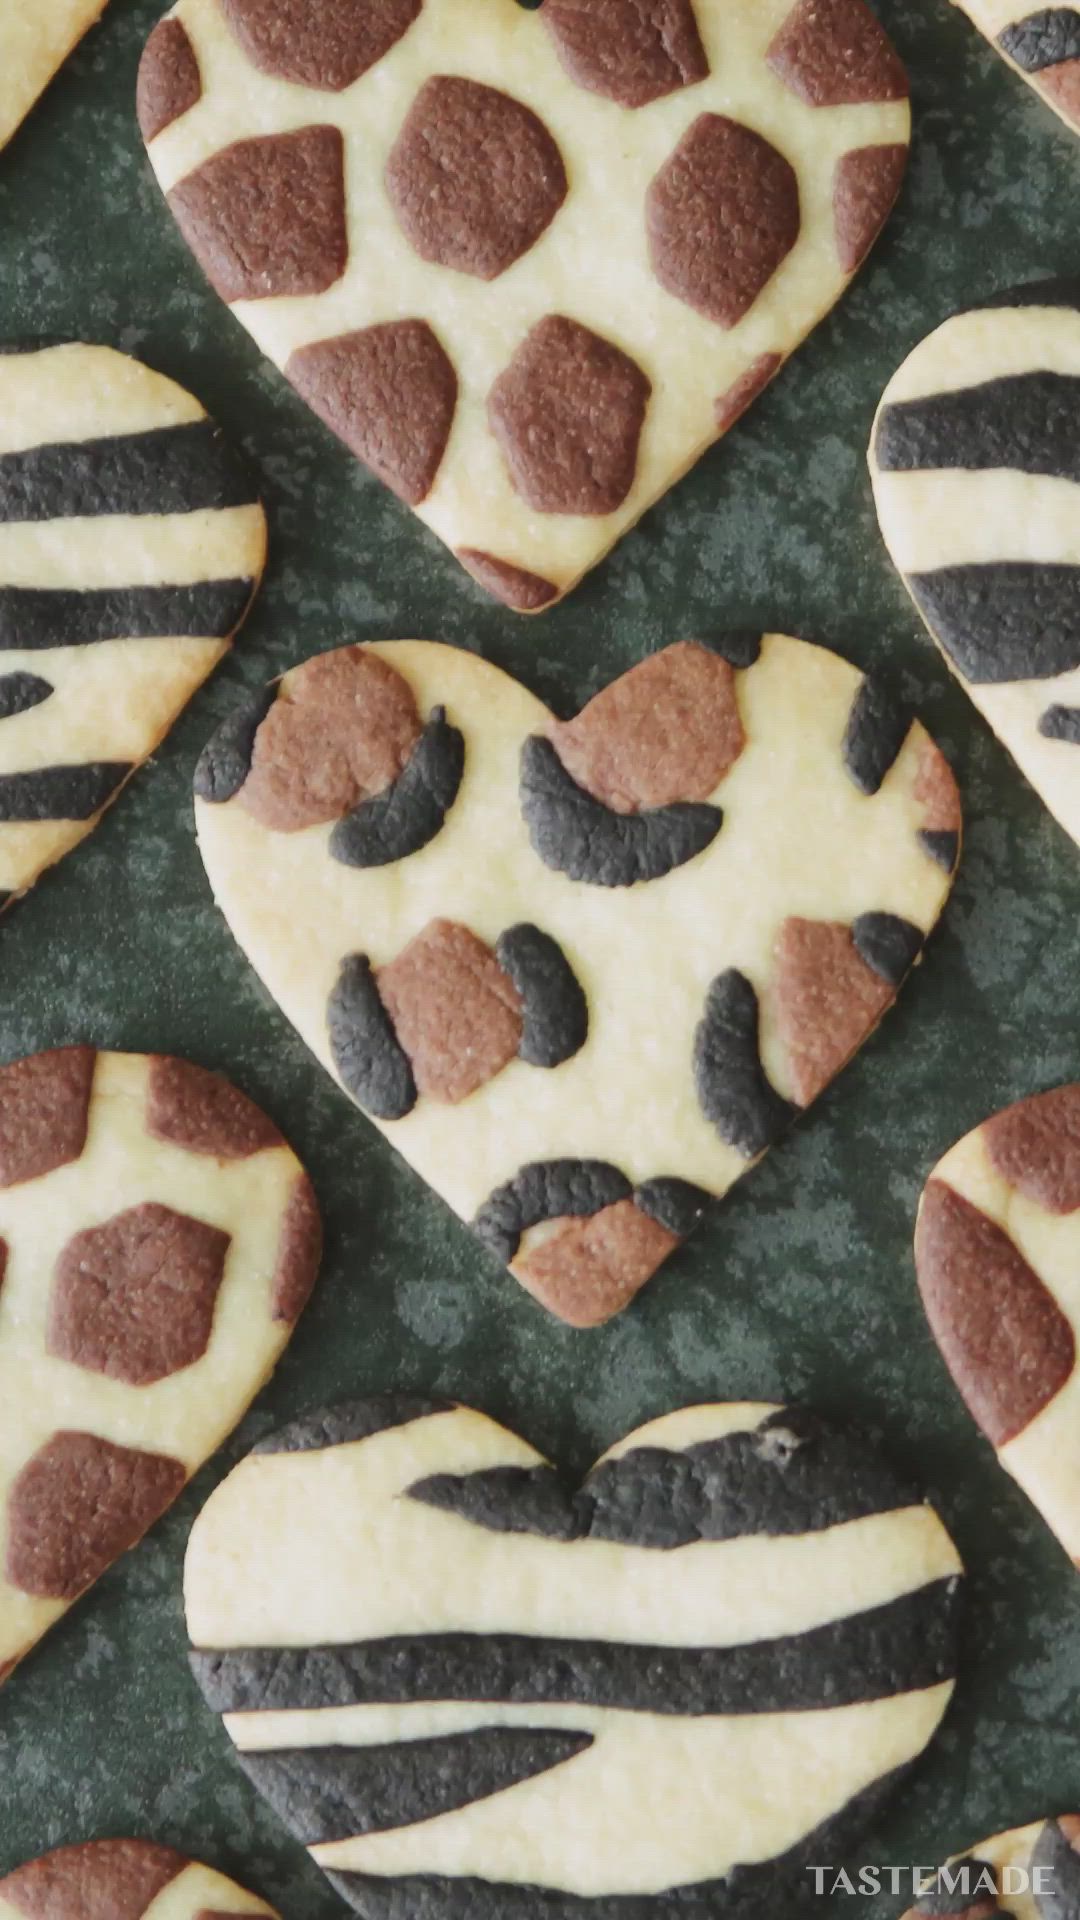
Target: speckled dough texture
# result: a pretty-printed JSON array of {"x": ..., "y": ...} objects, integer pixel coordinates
[
  {"x": 131, "y": 544},
  {"x": 468, "y": 1687},
  {"x": 528, "y": 265},
  {"x": 158, "y": 1240},
  {"x": 122, "y": 1880},
  {"x": 1032, "y": 1872},
  {"x": 1041, "y": 43},
  {"x": 36, "y": 37}
]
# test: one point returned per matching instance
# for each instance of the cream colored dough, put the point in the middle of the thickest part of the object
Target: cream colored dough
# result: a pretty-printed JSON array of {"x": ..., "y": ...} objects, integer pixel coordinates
[{"x": 36, "y": 37}]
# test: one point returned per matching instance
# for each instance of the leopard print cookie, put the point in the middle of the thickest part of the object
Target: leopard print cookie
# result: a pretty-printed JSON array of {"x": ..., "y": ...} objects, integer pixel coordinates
[
  {"x": 1041, "y": 43},
  {"x": 122, "y": 1880}
]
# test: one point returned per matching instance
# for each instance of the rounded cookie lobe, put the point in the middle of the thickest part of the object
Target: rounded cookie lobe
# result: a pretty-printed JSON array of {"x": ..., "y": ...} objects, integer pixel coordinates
[
  {"x": 722, "y": 215},
  {"x": 77, "y": 1505},
  {"x": 631, "y": 51},
  {"x": 134, "y": 1298},
  {"x": 342, "y": 728},
  {"x": 390, "y": 393},
  {"x": 266, "y": 217},
  {"x": 517, "y": 588},
  {"x": 1035, "y": 1146},
  {"x": 586, "y": 1270},
  {"x": 44, "y": 1108},
  {"x": 455, "y": 1012},
  {"x": 567, "y": 413},
  {"x": 204, "y": 1113},
  {"x": 328, "y": 45},
  {"x": 169, "y": 82},
  {"x": 668, "y": 730},
  {"x": 835, "y": 53},
  {"x": 98, "y": 1880},
  {"x": 867, "y": 182}
]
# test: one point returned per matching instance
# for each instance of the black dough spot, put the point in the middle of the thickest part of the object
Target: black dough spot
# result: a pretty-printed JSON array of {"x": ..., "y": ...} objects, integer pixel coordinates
[
  {"x": 413, "y": 808},
  {"x": 942, "y": 844},
  {"x": 1061, "y": 1865},
  {"x": 1045, "y": 39},
  {"x": 546, "y": 1190},
  {"x": 1009, "y": 620},
  {"x": 878, "y": 724},
  {"x": 740, "y": 647},
  {"x": 1027, "y": 422},
  {"x": 373, "y": 1066},
  {"x": 531, "y": 1500},
  {"x": 1061, "y": 723},
  {"x": 1063, "y": 291},
  {"x": 581, "y": 837},
  {"x": 940, "y": 1902},
  {"x": 353, "y": 1420},
  {"x": 61, "y": 793},
  {"x": 21, "y": 691},
  {"x": 554, "y": 1008},
  {"x": 733, "y": 1090},
  {"x": 183, "y": 469},
  {"x": 676, "y": 1205},
  {"x": 225, "y": 761},
  {"x": 888, "y": 944},
  {"x": 35, "y": 618}
]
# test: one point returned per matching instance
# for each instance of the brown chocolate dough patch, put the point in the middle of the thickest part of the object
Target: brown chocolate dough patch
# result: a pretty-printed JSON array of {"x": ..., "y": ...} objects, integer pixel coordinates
[
  {"x": 455, "y": 1012},
  {"x": 328, "y": 46},
  {"x": 77, "y": 1505},
  {"x": 99, "y": 1880},
  {"x": 733, "y": 404},
  {"x": 266, "y": 217},
  {"x": 299, "y": 1253},
  {"x": 1061, "y": 84},
  {"x": 667, "y": 731},
  {"x": 474, "y": 177},
  {"x": 567, "y": 413},
  {"x": 390, "y": 392},
  {"x": 825, "y": 999},
  {"x": 936, "y": 791},
  {"x": 865, "y": 187},
  {"x": 134, "y": 1298},
  {"x": 586, "y": 1270},
  {"x": 200, "y": 1111},
  {"x": 341, "y": 729},
  {"x": 722, "y": 215},
  {"x": 835, "y": 53},
  {"x": 1006, "y": 1342},
  {"x": 523, "y": 591},
  {"x": 632, "y": 51},
  {"x": 169, "y": 83},
  {"x": 44, "y": 1106},
  {"x": 1035, "y": 1146}
]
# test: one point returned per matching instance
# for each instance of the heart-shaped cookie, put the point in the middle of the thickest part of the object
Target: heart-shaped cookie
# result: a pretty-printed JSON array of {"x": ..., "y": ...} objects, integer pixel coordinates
[
  {"x": 527, "y": 265},
  {"x": 158, "y": 1240},
  {"x": 1033, "y": 1872},
  {"x": 122, "y": 1880},
  {"x": 471, "y": 1689},
  {"x": 36, "y": 37},
  {"x": 1042, "y": 44},
  {"x": 996, "y": 1250},
  {"x": 977, "y": 480},
  {"x": 581, "y": 973},
  {"x": 131, "y": 544}
]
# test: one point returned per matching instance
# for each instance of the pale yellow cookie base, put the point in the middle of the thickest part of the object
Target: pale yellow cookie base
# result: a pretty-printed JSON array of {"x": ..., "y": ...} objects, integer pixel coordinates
[{"x": 36, "y": 37}]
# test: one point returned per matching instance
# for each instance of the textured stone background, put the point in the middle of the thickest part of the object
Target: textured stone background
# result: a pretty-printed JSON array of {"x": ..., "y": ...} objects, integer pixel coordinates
[{"x": 802, "y": 1284}]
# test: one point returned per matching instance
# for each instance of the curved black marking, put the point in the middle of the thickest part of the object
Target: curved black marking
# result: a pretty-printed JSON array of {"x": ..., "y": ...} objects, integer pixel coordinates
[
  {"x": 740, "y": 646},
  {"x": 335, "y": 1793},
  {"x": 225, "y": 761},
  {"x": 733, "y": 1089},
  {"x": 1061, "y": 723},
  {"x": 676, "y": 1205},
  {"x": 942, "y": 844},
  {"x": 1062, "y": 291},
  {"x": 546, "y": 1190},
  {"x": 61, "y": 793},
  {"x": 1045, "y": 39},
  {"x": 1026, "y": 422},
  {"x": 878, "y": 724},
  {"x": 888, "y": 944},
  {"x": 21, "y": 691},
  {"x": 581, "y": 837},
  {"x": 555, "y": 1012},
  {"x": 369, "y": 1058},
  {"x": 166, "y": 470},
  {"x": 412, "y": 809},
  {"x": 1061, "y": 1865},
  {"x": 38, "y": 617},
  {"x": 1009, "y": 620},
  {"x": 354, "y": 1420},
  {"x": 957, "y": 1889}
]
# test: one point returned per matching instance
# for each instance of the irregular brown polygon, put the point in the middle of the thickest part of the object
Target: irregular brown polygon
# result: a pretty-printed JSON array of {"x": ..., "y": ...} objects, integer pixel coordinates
[
  {"x": 327, "y": 46},
  {"x": 586, "y": 1270},
  {"x": 865, "y": 187},
  {"x": 455, "y": 1012},
  {"x": 631, "y": 51},
  {"x": 169, "y": 82},
  {"x": 1035, "y": 1146},
  {"x": 44, "y": 1107},
  {"x": 266, "y": 217},
  {"x": 200, "y": 1111},
  {"x": 390, "y": 392},
  {"x": 936, "y": 791},
  {"x": 836, "y": 53},
  {"x": 733, "y": 404},
  {"x": 567, "y": 413},
  {"x": 667, "y": 731},
  {"x": 134, "y": 1298},
  {"x": 523, "y": 591},
  {"x": 98, "y": 1880},
  {"x": 825, "y": 1001},
  {"x": 341, "y": 729},
  {"x": 299, "y": 1253},
  {"x": 722, "y": 215},
  {"x": 77, "y": 1505}
]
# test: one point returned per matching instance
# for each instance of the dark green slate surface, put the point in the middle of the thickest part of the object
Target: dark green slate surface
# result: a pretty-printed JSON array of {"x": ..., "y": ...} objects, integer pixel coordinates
[{"x": 802, "y": 1284}]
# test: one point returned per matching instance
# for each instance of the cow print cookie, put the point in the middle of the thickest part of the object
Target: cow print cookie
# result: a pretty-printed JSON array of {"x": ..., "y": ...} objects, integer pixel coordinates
[
  {"x": 35, "y": 40},
  {"x": 122, "y": 1880},
  {"x": 131, "y": 544},
  {"x": 1043, "y": 45},
  {"x": 726, "y": 1647},
  {"x": 1032, "y": 1872},
  {"x": 996, "y": 1250},
  {"x": 158, "y": 1240},
  {"x": 527, "y": 265},
  {"x": 977, "y": 479},
  {"x": 581, "y": 973}
]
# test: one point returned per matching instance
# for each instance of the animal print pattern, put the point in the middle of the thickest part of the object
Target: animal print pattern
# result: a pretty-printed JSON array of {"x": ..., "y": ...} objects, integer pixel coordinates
[
  {"x": 1043, "y": 45},
  {"x": 1032, "y": 1872},
  {"x": 34, "y": 43},
  {"x": 527, "y": 265},
  {"x": 122, "y": 1880}
]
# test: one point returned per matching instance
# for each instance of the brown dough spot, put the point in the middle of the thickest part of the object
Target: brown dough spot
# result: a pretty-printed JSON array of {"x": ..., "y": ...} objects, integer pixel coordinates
[
  {"x": 1035, "y": 1146},
  {"x": 341, "y": 729},
  {"x": 826, "y": 1000},
  {"x": 266, "y": 217},
  {"x": 668, "y": 730},
  {"x": 586, "y": 1270},
  {"x": 99, "y": 1880},
  {"x": 454, "y": 1010},
  {"x": 134, "y": 1299},
  {"x": 568, "y": 413},
  {"x": 865, "y": 187},
  {"x": 474, "y": 177},
  {"x": 733, "y": 404},
  {"x": 390, "y": 393},
  {"x": 79, "y": 1504},
  {"x": 525, "y": 592},
  {"x": 44, "y": 1106},
  {"x": 722, "y": 215},
  {"x": 328, "y": 46},
  {"x": 169, "y": 83},
  {"x": 632, "y": 51},
  {"x": 835, "y": 53},
  {"x": 1005, "y": 1341},
  {"x": 299, "y": 1253},
  {"x": 936, "y": 791},
  {"x": 204, "y": 1113},
  {"x": 1061, "y": 86}
]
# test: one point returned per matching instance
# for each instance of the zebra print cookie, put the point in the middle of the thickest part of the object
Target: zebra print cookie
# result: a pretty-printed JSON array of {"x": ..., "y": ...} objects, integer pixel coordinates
[
  {"x": 581, "y": 973},
  {"x": 527, "y": 264},
  {"x": 35, "y": 40},
  {"x": 1032, "y": 1872},
  {"x": 122, "y": 1880},
  {"x": 131, "y": 544},
  {"x": 158, "y": 1240},
  {"x": 1043, "y": 45},
  {"x": 471, "y": 1689}
]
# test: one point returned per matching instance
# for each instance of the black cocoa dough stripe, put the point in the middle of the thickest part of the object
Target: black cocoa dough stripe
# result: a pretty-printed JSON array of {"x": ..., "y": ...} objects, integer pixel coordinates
[
  {"x": 225, "y": 761},
  {"x": 1009, "y": 620},
  {"x": 555, "y": 1012},
  {"x": 905, "y": 1646},
  {"x": 371, "y": 1062},
  {"x": 412, "y": 809},
  {"x": 353, "y": 1420},
  {"x": 941, "y": 844},
  {"x": 21, "y": 691},
  {"x": 740, "y": 647},
  {"x": 546, "y": 1190},
  {"x": 965, "y": 1883},
  {"x": 1026, "y": 422},
  {"x": 325, "y": 1794},
  {"x": 1061, "y": 292},
  {"x": 61, "y": 793},
  {"x": 578, "y": 835},
  {"x": 1044, "y": 39},
  {"x": 35, "y": 618},
  {"x": 888, "y": 944},
  {"x": 166, "y": 470},
  {"x": 675, "y": 1204},
  {"x": 733, "y": 1089},
  {"x": 1061, "y": 1873},
  {"x": 878, "y": 724},
  {"x": 1061, "y": 723}
]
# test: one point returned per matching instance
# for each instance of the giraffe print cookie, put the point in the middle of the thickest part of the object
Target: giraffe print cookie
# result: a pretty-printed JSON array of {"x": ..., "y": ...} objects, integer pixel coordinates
[
  {"x": 1032, "y": 1872},
  {"x": 582, "y": 973},
  {"x": 35, "y": 40},
  {"x": 158, "y": 1240},
  {"x": 1042, "y": 44},
  {"x": 122, "y": 1880},
  {"x": 527, "y": 265}
]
